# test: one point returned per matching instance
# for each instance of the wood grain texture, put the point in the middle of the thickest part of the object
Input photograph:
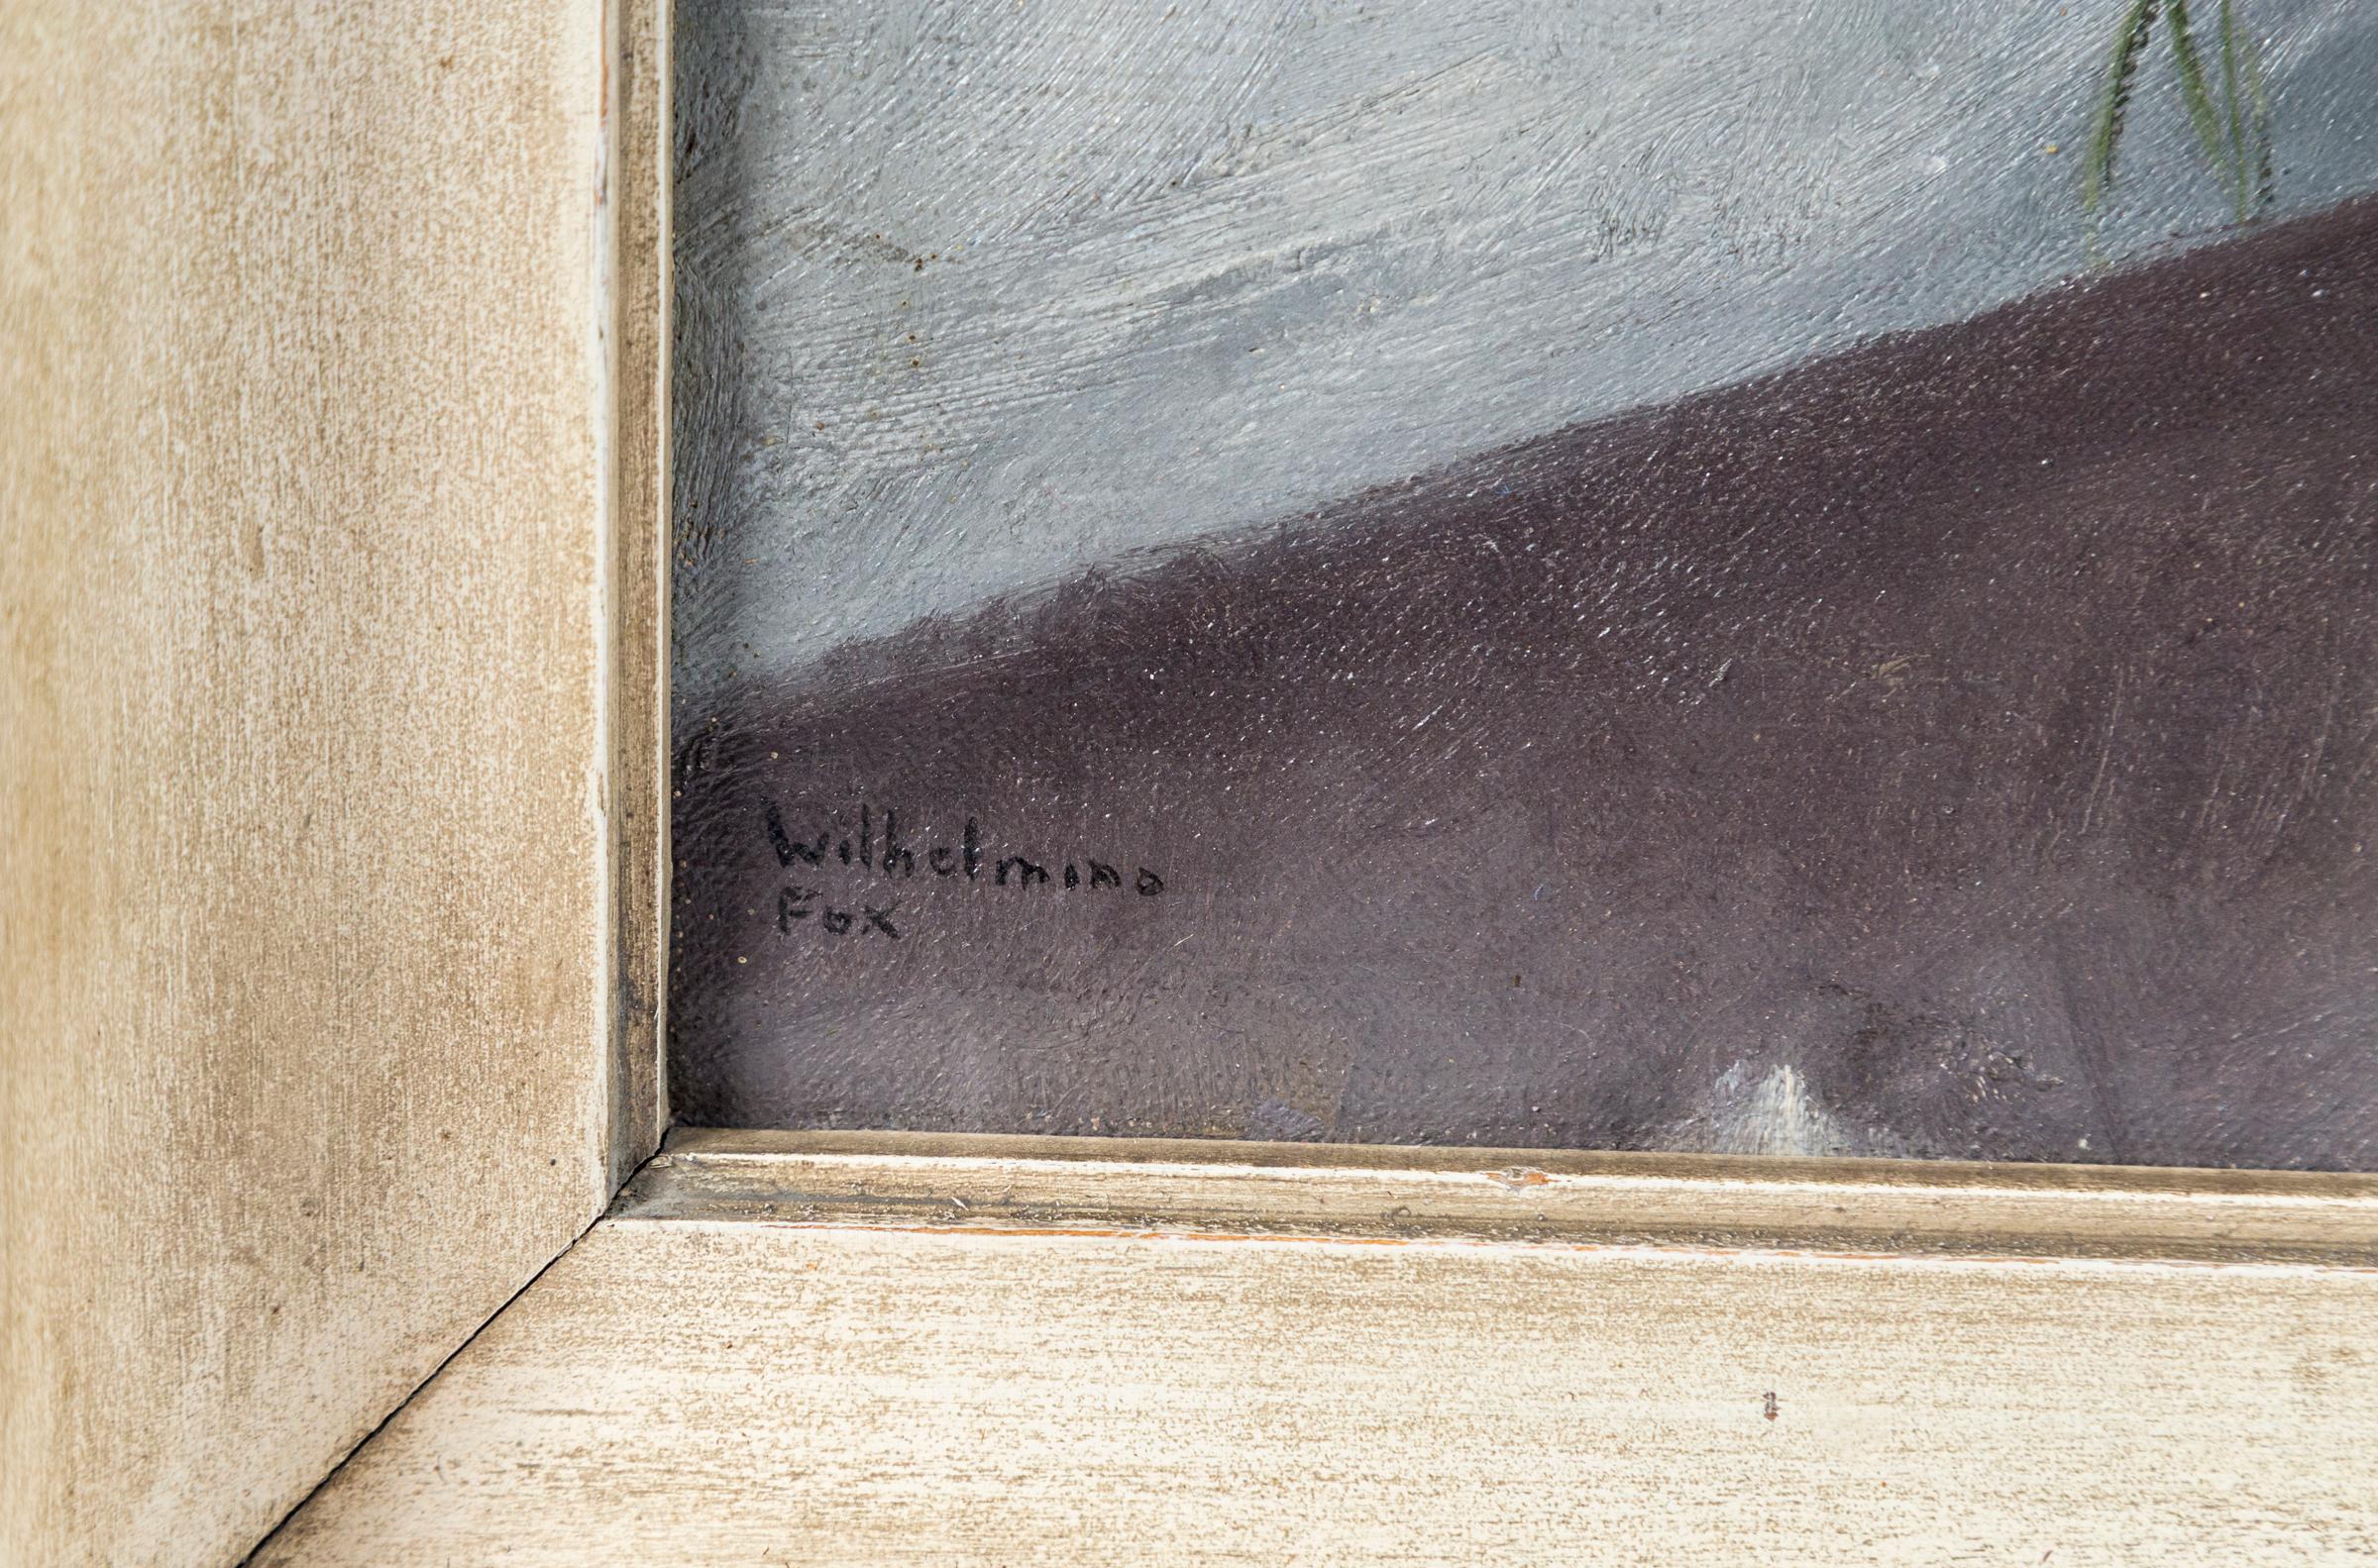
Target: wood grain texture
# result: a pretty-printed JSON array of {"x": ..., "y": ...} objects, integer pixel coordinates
[
  {"x": 697, "y": 1391},
  {"x": 995, "y": 1184},
  {"x": 302, "y": 456},
  {"x": 637, "y": 210}
]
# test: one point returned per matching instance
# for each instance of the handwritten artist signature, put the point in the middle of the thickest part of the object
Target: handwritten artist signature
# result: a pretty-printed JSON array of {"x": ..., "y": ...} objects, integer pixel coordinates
[{"x": 893, "y": 860}]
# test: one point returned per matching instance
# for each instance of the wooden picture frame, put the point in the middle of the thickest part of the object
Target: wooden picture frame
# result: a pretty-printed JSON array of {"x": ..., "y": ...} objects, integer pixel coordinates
[
  {"x": 790, "y": 1347},
  {"x": 875, "y": 1347},
  {"x": 1769, "y": 1357}
]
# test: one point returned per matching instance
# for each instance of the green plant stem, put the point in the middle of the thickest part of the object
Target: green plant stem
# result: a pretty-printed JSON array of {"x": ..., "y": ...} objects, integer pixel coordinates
[
  {"x": 2194, "y": 93},
  {"x": 2097, "y": 171}
]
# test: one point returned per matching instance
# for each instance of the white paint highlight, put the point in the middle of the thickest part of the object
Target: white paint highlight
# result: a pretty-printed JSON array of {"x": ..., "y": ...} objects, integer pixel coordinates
[{"x": 1774, "y": 1112}]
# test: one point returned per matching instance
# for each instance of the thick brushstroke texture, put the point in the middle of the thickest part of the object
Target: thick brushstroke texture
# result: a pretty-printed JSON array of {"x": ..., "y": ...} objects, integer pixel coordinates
[
  {"x": 975, "y": 296},
  {"x": 1961, "y": 745}
]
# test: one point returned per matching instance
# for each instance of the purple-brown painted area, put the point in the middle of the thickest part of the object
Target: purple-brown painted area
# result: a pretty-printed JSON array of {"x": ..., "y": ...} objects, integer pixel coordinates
[{"x": 1978, "y": 725}]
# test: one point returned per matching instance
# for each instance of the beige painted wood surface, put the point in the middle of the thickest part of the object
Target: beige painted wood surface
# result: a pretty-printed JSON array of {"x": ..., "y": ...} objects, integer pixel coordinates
[
  {"x": 303, "y": 436},
  {"x": 1119, "y": 1186},
  {"x": 873, "y": 1385},
  {"x": 636, "y": 615}
]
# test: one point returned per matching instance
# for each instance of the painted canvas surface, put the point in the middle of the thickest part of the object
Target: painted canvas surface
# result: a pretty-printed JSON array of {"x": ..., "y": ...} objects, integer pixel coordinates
[{"x": 1635, "y": 574}]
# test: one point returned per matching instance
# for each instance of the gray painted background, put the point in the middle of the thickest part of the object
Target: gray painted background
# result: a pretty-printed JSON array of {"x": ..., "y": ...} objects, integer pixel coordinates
[{"x": 976, "y": 294}]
